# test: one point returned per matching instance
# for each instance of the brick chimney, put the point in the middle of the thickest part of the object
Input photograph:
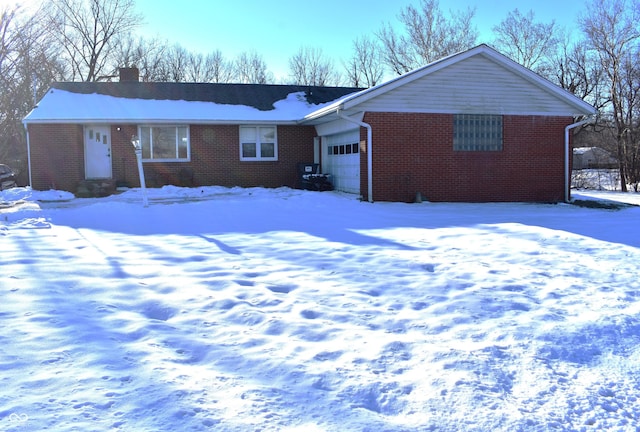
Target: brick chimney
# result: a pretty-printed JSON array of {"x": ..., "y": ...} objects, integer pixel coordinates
[{"x": 129, "y": 74}]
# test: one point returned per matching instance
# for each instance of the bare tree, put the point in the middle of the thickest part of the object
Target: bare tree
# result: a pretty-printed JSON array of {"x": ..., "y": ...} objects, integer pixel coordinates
[
  {"x": 577, "y": 69},
  {"x": 7, "y": 17},
  {"x": 630, "y": 101},
  {"x": 612, "y": 27},
  {"x": 530, "y": 43},
  {"x": 175, "y": 64},
  {"x": 28, "y": 63},
  {"x": 9, "y": 80},
  {"x": 87, "y": 30},
  {"x": 128, "y": 51},
  {"x": 218, "y": 69},
  {"x": 162, "y": 63},
  {"x": 250, "y": 68},
  {"x": 309, "y": 66},
  {"x": 210, "y": 68},
  {"x": 195, "y": 70},
  {"x": 147, "y": 55},
  {"x": 429, "y": 35},
  {"x": 365, "y": 68}
]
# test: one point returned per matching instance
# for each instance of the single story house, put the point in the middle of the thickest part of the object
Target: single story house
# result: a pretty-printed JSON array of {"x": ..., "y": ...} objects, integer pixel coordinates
[
  {"x": 593, "y": 158},
  {"x": 472, "y": 127}
]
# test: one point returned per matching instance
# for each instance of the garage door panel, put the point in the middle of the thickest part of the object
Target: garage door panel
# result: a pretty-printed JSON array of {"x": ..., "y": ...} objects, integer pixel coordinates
[{"x": 342, "y": 160}]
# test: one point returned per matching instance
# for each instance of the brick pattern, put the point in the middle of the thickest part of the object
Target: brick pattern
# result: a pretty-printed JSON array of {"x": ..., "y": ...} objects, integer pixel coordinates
[
  {"x": 58, "y": 158},
  {"x": 413, "y": 153},
  {"x": 123, "y": 157},
  {"x": 215, "y": 157}
]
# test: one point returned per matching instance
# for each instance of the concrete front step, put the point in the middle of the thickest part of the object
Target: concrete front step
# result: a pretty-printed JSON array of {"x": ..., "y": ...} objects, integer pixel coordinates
[{"x": 96, "y": 188}]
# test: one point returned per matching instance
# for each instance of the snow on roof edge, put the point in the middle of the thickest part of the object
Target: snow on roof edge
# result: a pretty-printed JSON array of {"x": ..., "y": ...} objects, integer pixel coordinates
[{"x": 99, "y": 108}]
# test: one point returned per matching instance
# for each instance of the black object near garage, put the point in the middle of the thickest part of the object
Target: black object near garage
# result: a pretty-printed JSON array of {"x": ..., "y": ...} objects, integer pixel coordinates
[{"x": 310, "y": 178}]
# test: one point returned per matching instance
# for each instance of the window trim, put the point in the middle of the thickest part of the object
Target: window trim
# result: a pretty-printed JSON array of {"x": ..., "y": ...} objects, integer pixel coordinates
[
  {"x": 258, "y": 157},
  {"x": 468, "y": 143},
  {"x": 176, "y": 127}
]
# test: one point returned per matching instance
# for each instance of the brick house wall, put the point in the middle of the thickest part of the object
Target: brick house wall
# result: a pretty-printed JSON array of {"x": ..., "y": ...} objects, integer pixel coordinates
[
  {"x": 124, "y": 165},
  {"x": 215, "y": 157},
  {"x": 413, "y": 152},
  {"x": 57, "y": 158}
]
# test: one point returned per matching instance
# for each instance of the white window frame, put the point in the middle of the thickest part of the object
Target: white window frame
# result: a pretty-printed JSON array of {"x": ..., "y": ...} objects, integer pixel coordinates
[
  {"x": 256, "y": 129},
  {"x": 176, "y": 158},
  {"x": 477, "y": 132}
]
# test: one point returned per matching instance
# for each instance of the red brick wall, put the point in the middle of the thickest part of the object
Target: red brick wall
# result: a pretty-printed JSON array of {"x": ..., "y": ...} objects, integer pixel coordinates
[
  {"x": 124, "y": 166},
  {"x": 58, "y": 158},
  {"x": 414, "y": 153},
  {"x": 215, "y": 157},
  {"x": 411, "y": 153}
]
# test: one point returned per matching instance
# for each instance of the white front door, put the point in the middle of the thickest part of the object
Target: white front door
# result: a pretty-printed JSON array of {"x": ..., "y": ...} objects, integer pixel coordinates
[{"x": 97, "y": 151}]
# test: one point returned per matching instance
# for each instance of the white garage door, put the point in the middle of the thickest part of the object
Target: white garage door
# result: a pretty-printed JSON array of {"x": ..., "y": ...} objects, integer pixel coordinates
[{"x": 341, "y": 159}]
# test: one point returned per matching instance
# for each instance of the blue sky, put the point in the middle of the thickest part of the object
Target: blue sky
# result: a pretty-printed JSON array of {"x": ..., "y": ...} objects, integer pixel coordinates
[{"x": 277, "y": 29}]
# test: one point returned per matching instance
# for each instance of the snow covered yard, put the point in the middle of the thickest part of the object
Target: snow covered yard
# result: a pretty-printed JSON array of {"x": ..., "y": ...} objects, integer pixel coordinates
[{"x": 285, "y": 310}]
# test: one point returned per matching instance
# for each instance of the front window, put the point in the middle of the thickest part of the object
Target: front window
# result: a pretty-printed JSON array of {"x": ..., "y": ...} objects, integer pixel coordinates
[
  {"x": 258, "y": 143},
  {"x": 477, "y": 132},
  {"x": 165, "y": 143}
]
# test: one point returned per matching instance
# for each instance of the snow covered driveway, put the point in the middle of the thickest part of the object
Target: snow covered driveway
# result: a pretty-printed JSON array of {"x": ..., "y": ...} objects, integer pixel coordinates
[{"x": 283, "y": 310}]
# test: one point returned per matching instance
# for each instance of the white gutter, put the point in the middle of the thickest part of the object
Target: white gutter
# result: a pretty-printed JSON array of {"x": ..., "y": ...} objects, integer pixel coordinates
[
  {"x": 171, "y": 121},
  {"x": 26, "y": 129},
  {"x": 369, "y": 156},
  {"x": 567, "y": 172}
]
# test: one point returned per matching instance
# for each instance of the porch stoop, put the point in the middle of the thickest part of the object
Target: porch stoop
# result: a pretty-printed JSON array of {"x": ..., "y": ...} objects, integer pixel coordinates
[{"x": 96, "y": 188}]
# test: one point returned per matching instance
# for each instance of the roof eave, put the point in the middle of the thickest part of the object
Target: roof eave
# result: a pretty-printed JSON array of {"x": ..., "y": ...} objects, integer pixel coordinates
[
  {"x": 317, "y": 115},
  {"x": 159, "y": 121}
]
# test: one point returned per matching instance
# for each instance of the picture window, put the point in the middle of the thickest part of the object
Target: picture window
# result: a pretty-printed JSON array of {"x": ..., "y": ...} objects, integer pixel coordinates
[{"x": 165, "y": 143}]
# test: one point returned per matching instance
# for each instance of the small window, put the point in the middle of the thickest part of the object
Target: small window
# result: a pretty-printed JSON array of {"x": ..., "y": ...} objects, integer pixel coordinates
[
  {"x": 343, "y": 149},
  {"x": 267, "y": 151},
  {"x": 249, "y": 150},
  {"x": 258, "y": 143},
  {"x": 165, "y": 143},
  {"x": 477, "y": 132}
]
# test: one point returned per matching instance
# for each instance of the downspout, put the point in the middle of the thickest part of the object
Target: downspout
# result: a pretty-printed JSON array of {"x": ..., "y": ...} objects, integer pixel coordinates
[
  {"x": 369, "y": 156},
  {"x": 567, "y": 172},
  {"x": 26, "y": 128}
]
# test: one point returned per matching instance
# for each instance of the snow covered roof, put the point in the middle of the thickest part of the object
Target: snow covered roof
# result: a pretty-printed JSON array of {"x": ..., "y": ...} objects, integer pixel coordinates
[
  {"x": 204, "y": 103},
  {"x": 583, "y": 150},
  {"x": 136, "y": 102}
]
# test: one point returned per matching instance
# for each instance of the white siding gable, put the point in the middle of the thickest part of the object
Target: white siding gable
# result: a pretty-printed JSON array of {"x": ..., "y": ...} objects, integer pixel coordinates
[{"x": 474, "y": 85}]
